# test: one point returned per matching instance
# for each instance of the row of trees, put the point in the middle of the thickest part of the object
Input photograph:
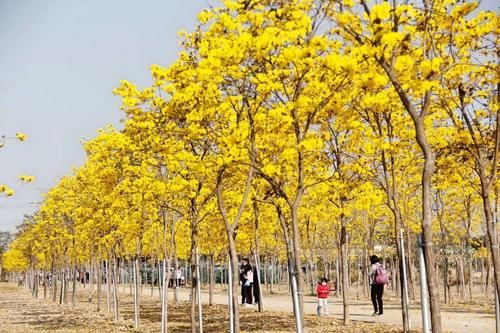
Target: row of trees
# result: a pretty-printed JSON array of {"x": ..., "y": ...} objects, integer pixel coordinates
[{"x": 300, "y": 128}]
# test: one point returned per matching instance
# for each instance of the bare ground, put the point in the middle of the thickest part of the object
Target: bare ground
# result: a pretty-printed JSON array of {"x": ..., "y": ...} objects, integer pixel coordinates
[{"x": 20, "y": 312}]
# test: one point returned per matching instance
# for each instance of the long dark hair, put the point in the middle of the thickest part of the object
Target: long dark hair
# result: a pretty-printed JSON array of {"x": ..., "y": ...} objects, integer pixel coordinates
[{"x": 374, "y": 259}]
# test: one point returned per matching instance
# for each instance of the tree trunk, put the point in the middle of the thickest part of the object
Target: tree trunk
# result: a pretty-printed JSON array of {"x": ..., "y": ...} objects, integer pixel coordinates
[
  {"x": 65, "y": 295},
  {"x": 161, "y": 276},
  {"x": 163, "y": 284},
  {"x": 99, "y": 285},
  {"x": 130, "y": 275},
  {"x": 136, "y": 292},
  {"x": 462, "y": 277},
  {"x": 233, "y": 261},
  {"x": 366, "y": 278},
  {"x": 91, "y": 280},
  {"x": 272, "y": 273},
  {"x": 73, "y": 292},
  {"x": 194, "y": 281},
  {"x": 470, "y": 276},
  {"x": 115, "y": 289},
  {"x": 212, "y": 280},
  {"x": 445, "y": 279},
  {"x": 411, "y": 274},
  {"x": 153, "y": 277},
  {"x": 108, "y": 285},
  {"x": 44, "y": 285},
  {"x": 428, "y": 171},
  {"x": 54, "y": 285},
  {"x": 337, "y": 276},
  {"x": 492, "y": 238},
  {"x": 345, "y": 268},
  {"x": 61, "y": 291},
  {"x": 297, "y": 255},
  {"x": 176, "y": 293}
]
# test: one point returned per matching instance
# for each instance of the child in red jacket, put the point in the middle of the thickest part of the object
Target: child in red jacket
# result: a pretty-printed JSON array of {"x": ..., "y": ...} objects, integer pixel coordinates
[{"x": 323, "y": 290}]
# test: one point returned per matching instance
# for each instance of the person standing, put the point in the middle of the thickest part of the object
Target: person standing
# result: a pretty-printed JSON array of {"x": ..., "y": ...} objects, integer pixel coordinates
[
  {"x": 322, "y": 290},
  {"x": 378, "y": 277},
  {"x": 247, "y": 287},
  {"x": 243, "y": 280},
  {"x": 179, "y": 277}
]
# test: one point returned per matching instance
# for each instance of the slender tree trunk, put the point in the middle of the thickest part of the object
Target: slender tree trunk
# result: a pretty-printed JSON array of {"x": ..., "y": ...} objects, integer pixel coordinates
[
  {"x": 233, "y": 257},
  {"x": 337, "y": 275},
  {"x": 272, "y": 277},
  {"x": 432, "y": 284},
  {"x": 462, "y": 277},
  {"x": 44, "y": 285},
  {"x": 91, "y": 280},
  {"x": 495, "y": 256},
  {"x": 164, "y": 286},
  {"x": 67, "y": 277},
  {"x": 470, "y": 276},
  {"x": 73, "y": 292},
  {"x": 483, "y": 277},
  {"x": 166, "y": 272},
  {"x": 297, "y": 255},
  {"x": 108, "y": 285},
  {"x": 177, "y": 281},
  {"x": 411, "y": 279},
  {"x": 37, "y": 279},
  {"x": 345, "y": 268},
  {"x": 61, "y": 291},
  {"x": 99, "y": 285},
  {"x": 445, "y": 279},
  {"x": 212, "y": 280},
  {"x": 115, "y": 289},
  {"x": 427, "y": 173},
  {"x": 194, "y": 278},
  {"x": 366, "y": 278},
  {"x": 54, "y": 285},
  {"x": 153, "y": 277},
  {"x": 160, "y": 277},
  {"x": 130, "y": 276},
  {"x": 136, "y": 292}
]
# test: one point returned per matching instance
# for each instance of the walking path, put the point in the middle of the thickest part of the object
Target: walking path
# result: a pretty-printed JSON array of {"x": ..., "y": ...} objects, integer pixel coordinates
[
  {"x": 453, "y": 321},
  {"x": 19, "y": 312}
]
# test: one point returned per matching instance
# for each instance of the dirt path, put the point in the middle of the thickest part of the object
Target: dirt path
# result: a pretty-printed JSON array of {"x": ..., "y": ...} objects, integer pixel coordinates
[
  {"x": 458, "y": 321},
  {"x": 20, "y": 313}
]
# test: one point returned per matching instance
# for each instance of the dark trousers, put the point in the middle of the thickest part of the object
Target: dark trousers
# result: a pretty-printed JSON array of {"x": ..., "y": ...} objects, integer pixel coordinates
[
  {"x": 247, "y": 294},
  {"x": 376, "y": 292}
]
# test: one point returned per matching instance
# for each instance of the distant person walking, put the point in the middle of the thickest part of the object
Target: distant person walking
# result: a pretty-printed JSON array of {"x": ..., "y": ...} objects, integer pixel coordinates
[
  {"x": 322, "y": 290},
  {"x": 378, "y": 277}
]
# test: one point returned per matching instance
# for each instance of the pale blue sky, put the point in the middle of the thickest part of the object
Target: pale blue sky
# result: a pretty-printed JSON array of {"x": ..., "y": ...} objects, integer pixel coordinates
[{"x": 59, "y": 60}]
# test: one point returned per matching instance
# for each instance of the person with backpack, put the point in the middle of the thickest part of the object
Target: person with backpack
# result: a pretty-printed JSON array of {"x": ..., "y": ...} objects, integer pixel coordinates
[
  {"x": 322, "y": 290},
  {"x": 378, "y": 278}
]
